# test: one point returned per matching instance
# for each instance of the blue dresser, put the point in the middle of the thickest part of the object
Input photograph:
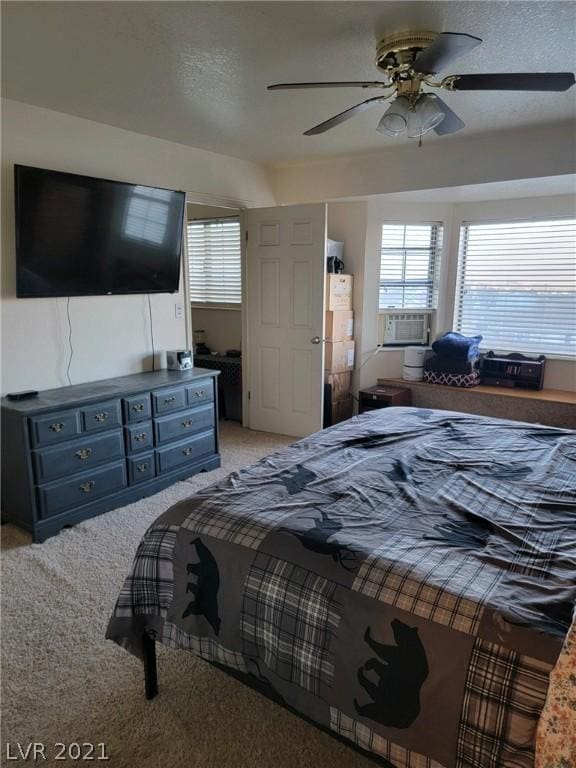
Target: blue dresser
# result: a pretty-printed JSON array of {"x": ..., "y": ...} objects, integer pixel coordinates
[{"x": 75, "y": 452}]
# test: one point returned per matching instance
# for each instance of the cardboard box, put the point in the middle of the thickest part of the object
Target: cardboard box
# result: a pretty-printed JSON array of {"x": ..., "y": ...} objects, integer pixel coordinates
[
  {"x": 339, "y": 325},
  {"x": 339, "y": 384},
  {"x": 339, "y": 292},
  {"x": 338, "y": 356}
]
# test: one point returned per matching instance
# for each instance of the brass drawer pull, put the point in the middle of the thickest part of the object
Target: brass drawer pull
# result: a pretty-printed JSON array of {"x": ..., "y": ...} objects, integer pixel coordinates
[
  {"x": 188, "y": 451},
  {"x": 140, "y": 437},
  {"x": 141, "y": 467},
  {"x": 87, "y": 487},
  {"x": 84, "y": 453},
  {"x": 138, "y": 407},
  {"x": 102, "y": 416},
  {"x": 170, "y": 399},
  {"x": 58, "y": 427},
  {"x": 200, "y": 392},
  {"x": 188, "y": 423}
]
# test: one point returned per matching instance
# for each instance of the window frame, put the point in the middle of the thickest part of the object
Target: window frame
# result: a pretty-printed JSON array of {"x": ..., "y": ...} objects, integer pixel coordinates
[
  {"x": 211, "y": 305},
  {"x": 463, "y": 225},
  {"x": 434, "y": 266}
]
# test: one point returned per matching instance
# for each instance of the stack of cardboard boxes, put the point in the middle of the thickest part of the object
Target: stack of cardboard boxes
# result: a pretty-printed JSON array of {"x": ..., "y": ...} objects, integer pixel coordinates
[{"x": 339, "y": 349}]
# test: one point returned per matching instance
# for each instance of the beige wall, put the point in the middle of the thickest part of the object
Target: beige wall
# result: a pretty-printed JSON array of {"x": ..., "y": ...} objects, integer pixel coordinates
[
  {"x": 197, "y": 211},
  {"x": 344, "y": 224},
  {"x": 223, "y": 327},
  {"x": 110, "y": 333},
  {"x": 450, "y": 162}
]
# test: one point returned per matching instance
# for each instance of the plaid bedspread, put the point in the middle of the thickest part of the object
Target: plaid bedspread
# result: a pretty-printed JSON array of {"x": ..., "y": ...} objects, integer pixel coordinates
[{"x": 405, "y": 579}]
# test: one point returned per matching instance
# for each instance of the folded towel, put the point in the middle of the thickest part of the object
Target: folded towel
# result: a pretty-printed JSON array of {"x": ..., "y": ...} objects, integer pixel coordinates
[
  {"x": 443, "y": 364},
  {"x": 457, "y": 346}
]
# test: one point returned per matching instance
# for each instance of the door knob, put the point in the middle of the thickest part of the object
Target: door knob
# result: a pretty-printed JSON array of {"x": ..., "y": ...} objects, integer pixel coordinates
[{"x": 315, "y": 339}]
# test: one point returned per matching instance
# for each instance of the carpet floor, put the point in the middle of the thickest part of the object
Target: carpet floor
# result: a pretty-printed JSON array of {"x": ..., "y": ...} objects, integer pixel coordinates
[{"x": 62, "y": 682}]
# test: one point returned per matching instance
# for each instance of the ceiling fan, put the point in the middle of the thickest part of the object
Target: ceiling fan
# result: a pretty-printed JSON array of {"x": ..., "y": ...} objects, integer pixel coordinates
[{"x": 409, "y": 61}]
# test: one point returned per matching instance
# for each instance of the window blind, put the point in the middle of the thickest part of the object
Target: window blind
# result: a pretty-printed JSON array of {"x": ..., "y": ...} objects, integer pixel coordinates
[
  {"x": 517, "y": 285},
  {"x": 214, "y": 261},
  {"x": 409, "y": 259},
  {"x": 147, "y": 216}
]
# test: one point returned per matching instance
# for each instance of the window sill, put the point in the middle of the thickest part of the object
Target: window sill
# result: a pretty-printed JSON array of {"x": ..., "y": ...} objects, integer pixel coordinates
[
  {"x": 404, "y": 310},
  {"x": 232, "y": 307},
  {"x": 547, "y": 395}
]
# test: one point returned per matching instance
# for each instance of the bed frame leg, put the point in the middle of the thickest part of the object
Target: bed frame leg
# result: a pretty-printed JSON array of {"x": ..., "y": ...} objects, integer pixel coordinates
[{"x": 150, "y": 673}]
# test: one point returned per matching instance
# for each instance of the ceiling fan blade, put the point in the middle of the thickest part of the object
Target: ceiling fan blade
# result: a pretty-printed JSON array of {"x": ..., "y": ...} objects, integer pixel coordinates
[
  {"x": 342, "y": 116},
  {"x": 537, "y": 81},
  {"x": 445, "y": 49},
  {"x": 451, "y": 122},
  {"x": 343, "y": 84}
]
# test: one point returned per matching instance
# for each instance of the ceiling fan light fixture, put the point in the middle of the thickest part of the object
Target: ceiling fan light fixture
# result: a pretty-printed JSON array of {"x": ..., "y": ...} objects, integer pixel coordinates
[
  {"x": 424, "y": 117},
  {"x": 395, "y": 120}
]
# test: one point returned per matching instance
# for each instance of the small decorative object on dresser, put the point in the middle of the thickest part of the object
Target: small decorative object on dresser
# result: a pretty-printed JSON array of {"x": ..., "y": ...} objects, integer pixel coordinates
[
  {"x": 75, "y": 452},
  {"x": 382, "y": 397},
  {"x": 179, "y": 360}
]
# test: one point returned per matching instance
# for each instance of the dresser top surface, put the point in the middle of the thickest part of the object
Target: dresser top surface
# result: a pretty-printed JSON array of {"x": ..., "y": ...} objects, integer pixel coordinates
[{"x": 122, "y": 386}]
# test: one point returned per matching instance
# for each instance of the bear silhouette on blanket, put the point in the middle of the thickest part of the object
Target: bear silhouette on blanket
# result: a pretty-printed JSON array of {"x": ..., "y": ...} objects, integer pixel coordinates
[
  {"x": 402, "y": 670},
  {"x": 297, "y": 479},
  {"x": 205, "y": 588},
  {"x": 316, "y": 539}
]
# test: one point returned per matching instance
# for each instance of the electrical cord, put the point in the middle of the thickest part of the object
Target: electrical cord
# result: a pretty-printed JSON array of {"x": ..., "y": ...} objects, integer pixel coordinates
[
  {"x": 71, "y": 355},
  {"x": 374, "y": 353},
  {"x": 151, "y": 333}
]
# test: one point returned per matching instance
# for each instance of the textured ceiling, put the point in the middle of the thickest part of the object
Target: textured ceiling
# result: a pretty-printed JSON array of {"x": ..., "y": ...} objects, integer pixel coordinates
[{"x": 196, "y": 72}]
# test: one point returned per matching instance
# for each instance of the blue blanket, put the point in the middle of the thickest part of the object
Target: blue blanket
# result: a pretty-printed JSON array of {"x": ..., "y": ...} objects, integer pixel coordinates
[{"x": 455, "y": 346}]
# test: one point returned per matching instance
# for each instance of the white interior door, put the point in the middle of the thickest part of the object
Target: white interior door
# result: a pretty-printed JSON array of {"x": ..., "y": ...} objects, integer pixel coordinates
[{"x": 285, "y": 273}]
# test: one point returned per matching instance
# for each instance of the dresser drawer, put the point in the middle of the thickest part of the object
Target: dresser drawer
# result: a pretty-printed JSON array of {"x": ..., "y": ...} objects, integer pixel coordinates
[
  {"x": 141, "y": 468},
  {"x": 101, "y": 416},
  {"x": 77, "y": 456},
  {"x": 200, "y": 392},
  {"x": 137, "y": 408},
  {"x": 82, "y": 489},
  {"x": 180, "y": 425},
  {"x": 185, "y": 451},
  {"x": 166, "y": 400},
  {"x": 139, "y": 437},
  {"x": 55, "y": 427}
]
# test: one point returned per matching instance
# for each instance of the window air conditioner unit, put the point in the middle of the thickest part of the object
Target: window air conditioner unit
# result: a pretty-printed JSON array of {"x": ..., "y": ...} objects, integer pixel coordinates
[{"x": 404, "y": 327}]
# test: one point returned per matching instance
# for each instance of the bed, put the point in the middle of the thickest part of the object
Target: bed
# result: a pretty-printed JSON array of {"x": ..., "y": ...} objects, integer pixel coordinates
[{"x": 405, "y": 580}]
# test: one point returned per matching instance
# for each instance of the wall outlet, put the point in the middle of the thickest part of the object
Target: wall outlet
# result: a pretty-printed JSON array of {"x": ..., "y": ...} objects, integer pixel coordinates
[{"x": 178, "y": 311}]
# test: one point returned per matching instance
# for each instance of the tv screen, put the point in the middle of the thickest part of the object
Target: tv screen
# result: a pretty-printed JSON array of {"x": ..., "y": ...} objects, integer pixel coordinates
[{"x": 81, "y": 236}]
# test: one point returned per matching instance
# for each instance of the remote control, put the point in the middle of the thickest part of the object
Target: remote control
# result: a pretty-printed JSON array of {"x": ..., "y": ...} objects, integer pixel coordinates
[{"x": 25, "y": 395}]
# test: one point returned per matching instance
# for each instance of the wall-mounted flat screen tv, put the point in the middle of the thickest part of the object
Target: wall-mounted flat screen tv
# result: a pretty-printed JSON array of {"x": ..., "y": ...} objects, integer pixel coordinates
[{"x": 82, "y": 236}]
